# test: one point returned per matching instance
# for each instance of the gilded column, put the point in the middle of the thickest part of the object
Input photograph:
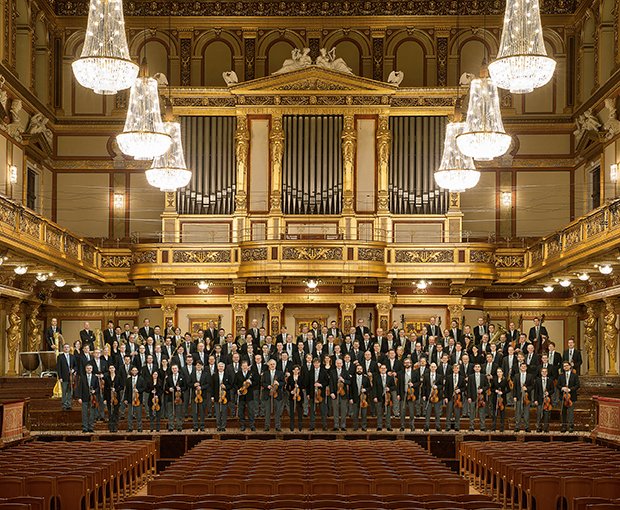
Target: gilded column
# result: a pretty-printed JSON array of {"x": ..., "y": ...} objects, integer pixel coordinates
[
  {"x": 384, "y": 139},
  {"x": 611, "y": 336},
  {"x": 275, "y": 317},
  {"x": 349, "y": 145},
  {"x": 347, "y": 310},
  {"x": 276, "y": 151},
  {"x": 591, "y": 338},
  {"x": 14, "y": 336},
  {"x": 383, "y": 315},
  {"x": 34, "y": 331},
  {"x": 239, "y": 311},
  {"x": 242, "y": 146}
]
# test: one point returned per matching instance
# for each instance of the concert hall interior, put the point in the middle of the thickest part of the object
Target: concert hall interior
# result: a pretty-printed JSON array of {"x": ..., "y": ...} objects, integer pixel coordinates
[{"x": 345, "y": 253}]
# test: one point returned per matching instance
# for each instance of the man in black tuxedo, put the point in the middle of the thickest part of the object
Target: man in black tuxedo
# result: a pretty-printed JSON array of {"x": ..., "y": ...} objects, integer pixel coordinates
[
  {"x": 432, "y": 384},
  {"x": 537, "y": 331},
  {"x": 244, "y": 383},
  {"x": 340, "y": 403},
  {"x": 361, "y": 330},
  {"x": 512, "y": 334},
  {"x": 543, "y": 388},
  {"x": 454, "y": 388},
  {"x": 65, "y": 366},
  {"x": 477, "y": 388},
  {"x": 480, "y": 330},
  {"x": 573, "y": 356},
  {"x": 455, "y": 332},
  {"x": 88, "y": 395},
  {"x": 384, "y": 384},
  {"x": 317, "y": 380},
  {"x": 433, "y": 328},
  {"x": 334, "y": 330},
  {"x": 174, "y": 387},
  {"x": 87, "y": 337},
  {"x": 523, "y": 382},
  {"x": 271, "y": 401},
  {"x": 146, "y": 330},
  {"x": 50, "y": 332},
  {"x": 360, "y": 388},
  {"x": 201, "y": 380},
  {"x": 211, "y": 332},
  {"x": 568, "y": 382},
  {"x": 555, "y": 358},
  {"x": 108, "y": 334}
]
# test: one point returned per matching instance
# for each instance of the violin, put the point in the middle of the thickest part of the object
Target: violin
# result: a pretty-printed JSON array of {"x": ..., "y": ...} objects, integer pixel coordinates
[
  {"x": 223, "y": 399},
  {"x": 458, "y": 401},
  {"x": 94, "y": 401},
  {"x": 434, "y": 396},
  {"x": 273, "y": 392},
  {"x": 136, "y": 398},
  {"x": 500, "y": 403},
  {"x": 567, "y": 400},
  {"x": 296, "y": 393},
  {"x": 511, "y": 384},
  {"x": 547, "y": 406},
  {"x": 198, "y": 398},
  {"x": 388, "y": 397},
  {"x": 156, "y": 407},
  {"x": 363, "y": 401},
  {"x": 411, "y": 394},
  {"x": 114, "y": 396},
  {"x": 177, "y": 397},
  {"x": 318, "y": 395},
  {"x": 526, "y": 399},
  {"x": 341, "y": 390},
  {"x": 480, "y": 402},
  {"x": 245, "y": 387}
]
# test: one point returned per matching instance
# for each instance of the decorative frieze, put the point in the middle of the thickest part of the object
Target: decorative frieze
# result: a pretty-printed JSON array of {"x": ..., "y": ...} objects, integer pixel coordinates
[
  {"x": 310, "y": 253},
  {"x": 424, "y": 256},
  {"x": 201, "y": 256}
]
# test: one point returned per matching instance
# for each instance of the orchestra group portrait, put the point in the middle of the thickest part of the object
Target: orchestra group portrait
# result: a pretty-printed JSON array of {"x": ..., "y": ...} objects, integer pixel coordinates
[{"x": 320, "y": 372}]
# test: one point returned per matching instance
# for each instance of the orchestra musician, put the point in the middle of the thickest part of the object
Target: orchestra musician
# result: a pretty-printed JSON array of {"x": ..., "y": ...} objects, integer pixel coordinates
[
  {"x": 112, "y": 393},
  {"x": 339, "y": 383},
  {"x": 523, "y": 385},
  {"x": 360, "y": 395},
  {"x": 432, "y": 395},
  {"x": 50, "y": 334},
  {"x": 294, "y": 390},
  {"x": 66, "y": 370},
  {"x": 543, "y": 389},
  {"x": 87, "y": 336},
  {"x": 155, "y": 391},
  {"x": 246, "y": 386},
  {"x": 200, "y": 383},
  {"x": 175, "y": 386},
  {"x": 477, "y": 388},
  {"x": 134, "y": 388},
  {"x": 222, "y": 386},
  {"x": 573, "y": 356},
  {"x": 499, "y": 399},
  {"x": 384, "y": 388},
  {"x": 88, "y": 395},
  {"x": 316, "y": 383},
  {"x": 408, "y": 389},
  {"x": 273, "y": 388},
  {"x": 537, "y": 331},
  {"x": 568, "y": 382},
  {"x": 454, "y": 395}
]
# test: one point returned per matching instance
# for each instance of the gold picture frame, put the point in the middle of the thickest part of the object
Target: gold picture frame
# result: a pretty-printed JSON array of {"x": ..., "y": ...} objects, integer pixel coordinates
[
  {"x": 201, "y": 322},
  {"x": 300, "y": 322}
]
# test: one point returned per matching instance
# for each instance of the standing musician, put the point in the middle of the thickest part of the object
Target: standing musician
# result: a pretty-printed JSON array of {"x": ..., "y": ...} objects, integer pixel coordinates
[
  {"x": 384, "y": 387},
  {"x": 134, "y": 387},
  {"x": 200, "y": 384},
  {"x": 88, "y": 394},
  {"x": 454, "y": 396},
  {"x": 339, "y": 383},
  {"x": 245, "y": 383},
  {"x": 273, "y": 388},
  {"x": 155, "y": 392},
  {"x": 222, "y": 385},
  {"x": 499, "y": 399},
  {"x": 294, "y": 390},
  {"x": 360, "y": 394},
  {"x": 66, "y": 368},
  {"x": 316, "y": 384},
  {"x": 573, "y": 356},
  {"x": 112, "y": 394},
  {"x": 543, "y": 390},
  {"x": 408, "y": 390},
  {"x": 477, "y": 397},
  {"x": 537, "y": 331},
  {"x": 568, "y": 382},
  {"x": 175, "y": 386},
  {"x": 523, "y": 385},
  {"x": 432, "y": 387}
]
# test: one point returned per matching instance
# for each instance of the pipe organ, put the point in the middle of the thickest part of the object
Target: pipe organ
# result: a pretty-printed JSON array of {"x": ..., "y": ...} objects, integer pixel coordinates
[
  {"x": 312, "y": 166},
  {"x": 209, "y": 144},
  {"x": 417, "y": 144}
]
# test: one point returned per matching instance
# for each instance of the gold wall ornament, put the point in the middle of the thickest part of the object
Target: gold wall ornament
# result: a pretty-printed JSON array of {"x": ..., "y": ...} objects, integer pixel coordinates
[
  {"x": 242, "y": 147},
  {"x": 371, "y": 254},
  {"x": 480, "y": 257},
  {"x": 14, "y": 335},
  {"x": 239, "y": 310},
  {"x": 144, "y": 257},
  {"x": 509, "y": 261},
  {"x": 116, "y": 261},
  {"x": 611, "y": 336},
  {"x": 253, "y": 254},
  {"x": 384, "y": 139},
  {"x": 34, "y": 333},
  {"x": 349, "y": 148},
  {"x": 310, "y": 253},
  {"x": 591, "y": 337},
  {"x": 276, "y": 150},
  {"x": 275, "y": 317},
  {"x": 201, "y": 256},
  {"x": 239, "y": 287},
  {"x": 347, "y": 310},
  {"x": 424, "y": 256}
]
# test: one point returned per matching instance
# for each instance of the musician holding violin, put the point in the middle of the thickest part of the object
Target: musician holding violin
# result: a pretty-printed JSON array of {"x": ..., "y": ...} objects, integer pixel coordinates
[
  {"x": 175, "y": 386},
  {"x": 134, "y": 387},
  {"x": 88, "y": 393},
  {"x": 523, "y": 385},
  {"x": 478, "y": 385},
  {"x": 499, "y": 394},
  {"x": 568, "y": 382},
  {"x": 454, "y": 394},
  {"x": 222, "y": 385},
  {"x": 543, "y": 391},
  {"x": 432, "y": 396},
  {"x": 384, "y": 386},
  {"x": 245, "y": 385},
  {"x": 339, "y": 382},
  {"x": 113, "y": 386},
  {"x": 273, "y": 389},
  {"x": 294, "y": 391},
  {"x": 200, "y": 384},
  {"x": 360, "y": 394},
  {"x": 317, "y": 380},
  {"x": 408, "y": 388},
  {"x": 155, "y": 392}
]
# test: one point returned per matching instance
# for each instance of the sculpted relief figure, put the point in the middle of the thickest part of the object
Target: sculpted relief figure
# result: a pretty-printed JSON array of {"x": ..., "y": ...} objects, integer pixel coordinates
[
  {"x": 300, "y": 59},
  {"x": 230, "y": 78},
  {"x": 396, "y": 78},
  {"x": 328, "y": 60}
]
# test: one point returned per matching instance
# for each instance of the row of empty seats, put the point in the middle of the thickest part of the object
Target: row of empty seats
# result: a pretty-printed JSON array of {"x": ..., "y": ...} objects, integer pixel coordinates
[
  {"x": 596, "y": 504},
  {"x": 76, "y": 475},
  {"x": 541, "y": 475},
  {"x": 22, "y": 503},
  {"x": 314, "y": 502},
  {"x": 295, "y": 467}
]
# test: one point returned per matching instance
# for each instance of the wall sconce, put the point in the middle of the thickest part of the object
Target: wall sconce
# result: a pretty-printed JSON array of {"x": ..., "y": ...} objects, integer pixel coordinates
[
  {"x": 13, "y": 174},
  {"x": 613, "y": 173},
  {"x": 506, "y": 197},
  {"x": 119, "y": 201}
]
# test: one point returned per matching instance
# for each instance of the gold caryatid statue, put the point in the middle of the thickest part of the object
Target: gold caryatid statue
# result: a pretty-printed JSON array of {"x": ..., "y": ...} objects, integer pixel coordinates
[
  {"x": 590, "y": 337},
  {"x": 611, "y": 336},
  {"x": 14, "y": 335},
  {"x": 34, "y": 334}
]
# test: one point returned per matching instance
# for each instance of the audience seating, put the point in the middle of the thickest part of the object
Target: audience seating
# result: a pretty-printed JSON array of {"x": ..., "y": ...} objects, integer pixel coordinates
[
  {"x": 541, "y": 475},
  {"x": 76, "y": 475},
  {"x": 310, "y": 502},
  {"x": 23, "y": 502}
]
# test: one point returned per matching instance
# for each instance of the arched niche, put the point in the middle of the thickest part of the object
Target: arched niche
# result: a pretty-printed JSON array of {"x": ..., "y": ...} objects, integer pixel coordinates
[
  {"x": 217, "y": 58},
  {"x": 161, "y": 51},
  {"x": 606, "y": 40},
  {"x": 277, "y": 53},
  {"x": 409, "y": 57},
  {"x": 354, "y": 48},
  {"x": 273, "y": 48},
  {"x": 351, "y": 53},
  {"x": 466, "y": 51},
  {"x": 587, "y": 67},
  {"x": 42, "y": 60},
  {"x": 23, "y": 43}
]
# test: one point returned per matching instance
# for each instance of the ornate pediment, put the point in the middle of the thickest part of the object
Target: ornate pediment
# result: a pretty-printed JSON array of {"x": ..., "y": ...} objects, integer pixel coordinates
[{"x": 312, "y": 79}]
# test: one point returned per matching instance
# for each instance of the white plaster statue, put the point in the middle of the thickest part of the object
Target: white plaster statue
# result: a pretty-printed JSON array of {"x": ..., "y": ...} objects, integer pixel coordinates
[
  {"x": 14, "y": 128},
  {"x": 612, "y": 124},
  {"x": 38, "y": 124},
  {"x": 466, "y": 79},
  {"x": 328, "y": 60},
  {"x": 300, "y": 59},
  {"x": 586, "y": 122},
  {"x": 161, "y": 79},
  {"x": 396, "y": 78},
  {"x": 230, "y": 77}
]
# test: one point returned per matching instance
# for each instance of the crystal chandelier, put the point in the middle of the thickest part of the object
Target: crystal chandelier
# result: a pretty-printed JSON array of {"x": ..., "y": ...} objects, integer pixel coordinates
[
  {"x": 105, "y": 65},
  {"x": 169, "y": 171},
  {"x": 522, "y": 63},
  {"x": 483, "y": 137},
  {"x": 456, "y": 172},
  {"x": 144, "y": 136}
]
